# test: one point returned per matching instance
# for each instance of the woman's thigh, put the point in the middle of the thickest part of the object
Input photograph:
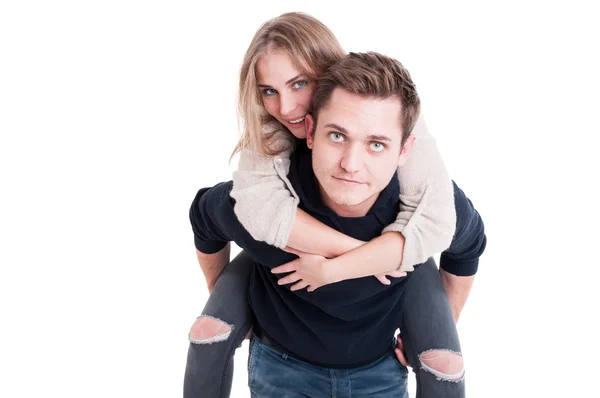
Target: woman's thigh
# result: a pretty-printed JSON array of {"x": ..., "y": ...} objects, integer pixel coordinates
[{"x": 430, "y": 337}]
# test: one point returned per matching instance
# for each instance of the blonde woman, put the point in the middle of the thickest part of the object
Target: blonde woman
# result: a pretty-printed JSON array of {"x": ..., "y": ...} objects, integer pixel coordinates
[{"x": 281, "y": 66}]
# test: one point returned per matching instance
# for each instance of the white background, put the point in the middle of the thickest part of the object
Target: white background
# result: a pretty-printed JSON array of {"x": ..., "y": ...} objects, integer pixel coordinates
[{"x": 114, "y": 113}]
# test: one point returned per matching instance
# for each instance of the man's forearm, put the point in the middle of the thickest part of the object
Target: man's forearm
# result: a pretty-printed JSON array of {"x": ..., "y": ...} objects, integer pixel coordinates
[
  {"x": 458, "y": 289},
  {"x": 213, "y": 264}
]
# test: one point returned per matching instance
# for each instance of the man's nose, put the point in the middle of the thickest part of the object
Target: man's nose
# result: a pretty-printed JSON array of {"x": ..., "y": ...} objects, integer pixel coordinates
[{"x": 352, "y": 159}]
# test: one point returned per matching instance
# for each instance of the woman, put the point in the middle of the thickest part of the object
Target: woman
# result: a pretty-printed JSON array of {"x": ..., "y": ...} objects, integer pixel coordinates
[{"x": 298, "y": 46}]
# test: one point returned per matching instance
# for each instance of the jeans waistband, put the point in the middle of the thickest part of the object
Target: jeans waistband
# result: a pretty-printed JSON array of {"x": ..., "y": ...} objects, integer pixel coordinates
[{"x": 266, "y": 340}]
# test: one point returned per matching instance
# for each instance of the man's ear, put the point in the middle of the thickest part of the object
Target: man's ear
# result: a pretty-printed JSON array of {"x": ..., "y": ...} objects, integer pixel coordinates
[
  {"x": 309, "y": 123},
  {"x": 406, "y": 148}
]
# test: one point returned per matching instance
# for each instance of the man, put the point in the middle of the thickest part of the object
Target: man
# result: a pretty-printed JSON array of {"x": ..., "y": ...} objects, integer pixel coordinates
[{"x": 337, "y": 340}]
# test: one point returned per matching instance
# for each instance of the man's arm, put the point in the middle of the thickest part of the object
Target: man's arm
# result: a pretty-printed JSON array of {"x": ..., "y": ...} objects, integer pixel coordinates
[
  {"x": 458, "y": 289},
  {"x": 459, "y": 263},
  {"x": 212, "y": 265},
  {"x": 214, "y": 225}
]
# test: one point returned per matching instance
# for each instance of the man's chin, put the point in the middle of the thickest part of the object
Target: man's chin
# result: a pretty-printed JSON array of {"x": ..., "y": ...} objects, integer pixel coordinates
[
  {"x": 344, "y": 198},
  {"x": 348, "y": 201}
]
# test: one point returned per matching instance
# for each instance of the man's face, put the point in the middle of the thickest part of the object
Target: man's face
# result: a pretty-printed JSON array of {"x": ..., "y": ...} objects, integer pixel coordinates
[{"x": 356, "y": 150}]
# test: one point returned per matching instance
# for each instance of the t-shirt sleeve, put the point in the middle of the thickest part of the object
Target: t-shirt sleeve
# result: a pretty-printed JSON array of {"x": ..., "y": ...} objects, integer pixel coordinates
[
  {"x": 212, "y": 218},
  {"x": 469, "y": 241}
]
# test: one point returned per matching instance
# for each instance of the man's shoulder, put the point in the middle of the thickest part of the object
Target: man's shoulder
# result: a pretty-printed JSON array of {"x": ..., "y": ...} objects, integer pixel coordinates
[
  {"x": 221, "y": 187},
  {"x": 463, "y": 205},
  {"x": 216, "y": 195}
]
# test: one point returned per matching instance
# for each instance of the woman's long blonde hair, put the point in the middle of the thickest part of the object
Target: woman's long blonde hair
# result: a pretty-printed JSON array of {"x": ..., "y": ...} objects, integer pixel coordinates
[{"x": 313, "y": 49}]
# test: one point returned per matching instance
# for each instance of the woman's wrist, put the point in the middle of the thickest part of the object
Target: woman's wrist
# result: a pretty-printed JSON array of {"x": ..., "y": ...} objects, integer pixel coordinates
[
  {"x": 333, "y": 271},
  {"x": 344, "y": 245},
  {"x": 382, "y": 254}
]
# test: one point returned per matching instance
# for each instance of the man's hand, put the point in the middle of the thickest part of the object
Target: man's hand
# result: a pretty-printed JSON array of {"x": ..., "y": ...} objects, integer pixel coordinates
[
  {"x": 399, "y": 350},
  {"x": 308, "y": 271}
]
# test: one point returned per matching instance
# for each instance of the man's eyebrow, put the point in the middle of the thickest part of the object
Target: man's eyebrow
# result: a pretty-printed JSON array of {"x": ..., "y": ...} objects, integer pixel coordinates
[
  {"x": 337, "y": 127},
  {"x": 379, "y": 138},
  {"x": 372, "y": 137},
  {"x": 292, "y": 80}
]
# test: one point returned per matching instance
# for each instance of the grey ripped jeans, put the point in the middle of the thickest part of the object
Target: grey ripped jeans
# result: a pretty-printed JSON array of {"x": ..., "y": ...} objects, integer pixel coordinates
[{"x": 427, "y": 327}]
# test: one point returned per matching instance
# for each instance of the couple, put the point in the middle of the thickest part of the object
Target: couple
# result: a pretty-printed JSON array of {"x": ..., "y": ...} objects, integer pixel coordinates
[{"x": 333, "y": 195}]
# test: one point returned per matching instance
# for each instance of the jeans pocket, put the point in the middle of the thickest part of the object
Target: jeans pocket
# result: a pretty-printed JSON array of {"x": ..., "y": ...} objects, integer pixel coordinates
[
  {"x": 394, "y": 366},
  {"x": 403, "y": 369}
]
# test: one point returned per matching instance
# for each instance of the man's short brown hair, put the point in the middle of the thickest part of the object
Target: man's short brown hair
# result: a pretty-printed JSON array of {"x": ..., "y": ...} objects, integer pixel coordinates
[{"x": 371, "y": 75}]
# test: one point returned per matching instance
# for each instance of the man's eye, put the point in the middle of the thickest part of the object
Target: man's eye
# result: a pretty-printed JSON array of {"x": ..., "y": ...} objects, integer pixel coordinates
[
  {"x": 336, "y": 137},
  {"x": 268, "y": 92},
  {"x": 377, "y": 146},
  {"x": 300, "y": 84}
]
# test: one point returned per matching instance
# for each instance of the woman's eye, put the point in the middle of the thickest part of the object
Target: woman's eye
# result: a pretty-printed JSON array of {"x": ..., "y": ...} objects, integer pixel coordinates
[
  {"x": 336, "y": 137},
  {"x": 268, "y": 92},
  {"x": 377, "y": 146},
  {"x": 300, "y": 84}
]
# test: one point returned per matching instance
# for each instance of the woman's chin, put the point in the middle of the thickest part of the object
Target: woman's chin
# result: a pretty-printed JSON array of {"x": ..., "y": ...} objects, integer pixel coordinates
[{"x": 298, "y": 131}]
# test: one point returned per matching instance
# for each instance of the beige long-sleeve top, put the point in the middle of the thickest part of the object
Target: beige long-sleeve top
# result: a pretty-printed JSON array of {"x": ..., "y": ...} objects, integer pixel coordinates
[{"x": 266, "y": 201}]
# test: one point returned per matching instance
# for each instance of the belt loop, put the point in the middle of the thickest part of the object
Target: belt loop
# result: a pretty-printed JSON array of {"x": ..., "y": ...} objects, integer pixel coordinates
[{"x": 284, "y": 355}]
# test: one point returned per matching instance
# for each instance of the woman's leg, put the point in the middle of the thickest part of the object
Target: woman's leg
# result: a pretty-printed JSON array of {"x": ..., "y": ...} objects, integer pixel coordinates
[
  {"x": 218, "y": 332},
  {"x": 430, "y": 337}
]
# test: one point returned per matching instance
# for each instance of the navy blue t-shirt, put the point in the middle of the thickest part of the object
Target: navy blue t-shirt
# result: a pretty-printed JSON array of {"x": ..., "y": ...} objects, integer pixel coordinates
[{"x": 342, "y": 325}]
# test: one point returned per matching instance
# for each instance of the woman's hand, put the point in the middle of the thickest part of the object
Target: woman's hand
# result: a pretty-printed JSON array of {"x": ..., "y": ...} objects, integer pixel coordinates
[
  {"x": 392, "y": 274},
  {"x": 308, "y": 271},
  {"x": 399, "y": 350}
]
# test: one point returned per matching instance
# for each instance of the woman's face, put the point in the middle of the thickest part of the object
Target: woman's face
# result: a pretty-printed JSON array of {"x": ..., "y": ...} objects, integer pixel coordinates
[{"x": 286, "y": 92}]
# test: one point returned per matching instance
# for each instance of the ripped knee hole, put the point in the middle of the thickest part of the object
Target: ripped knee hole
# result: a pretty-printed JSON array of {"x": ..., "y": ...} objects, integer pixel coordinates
[
  {"x": 207, "y": 330},
  {"x": 444, "y": 364}
]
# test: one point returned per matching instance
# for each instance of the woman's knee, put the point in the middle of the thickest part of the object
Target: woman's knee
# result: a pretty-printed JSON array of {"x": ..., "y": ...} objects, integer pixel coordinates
[
  {"x": 444, "y": 364},
  {"x": 208, "y": 330}
]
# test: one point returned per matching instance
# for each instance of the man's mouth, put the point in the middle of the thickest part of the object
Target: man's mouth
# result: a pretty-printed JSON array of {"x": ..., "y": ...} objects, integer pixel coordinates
[{"x": 348, "y": 180}]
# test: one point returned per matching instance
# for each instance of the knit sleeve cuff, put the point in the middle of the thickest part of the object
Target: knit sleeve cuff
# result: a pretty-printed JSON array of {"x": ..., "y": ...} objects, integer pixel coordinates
[{"x": 281, "y": 230}]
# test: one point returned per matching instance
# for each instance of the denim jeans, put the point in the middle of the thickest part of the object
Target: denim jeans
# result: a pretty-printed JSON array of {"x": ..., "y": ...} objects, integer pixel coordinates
[
  {"x": 426, "y": 323},
  {"x": 274, "y": 374},
  {"x": 209, "y": 368}
]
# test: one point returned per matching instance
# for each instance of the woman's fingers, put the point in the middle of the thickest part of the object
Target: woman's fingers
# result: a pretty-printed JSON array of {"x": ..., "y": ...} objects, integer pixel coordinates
[
  {"x": 298, "y": 286},
  {"x": 291, "y": 278},
  {"x": 396, "y": 274},
  {"x": 287, "y": 267},
  {"x": 399, "y": 350}
]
